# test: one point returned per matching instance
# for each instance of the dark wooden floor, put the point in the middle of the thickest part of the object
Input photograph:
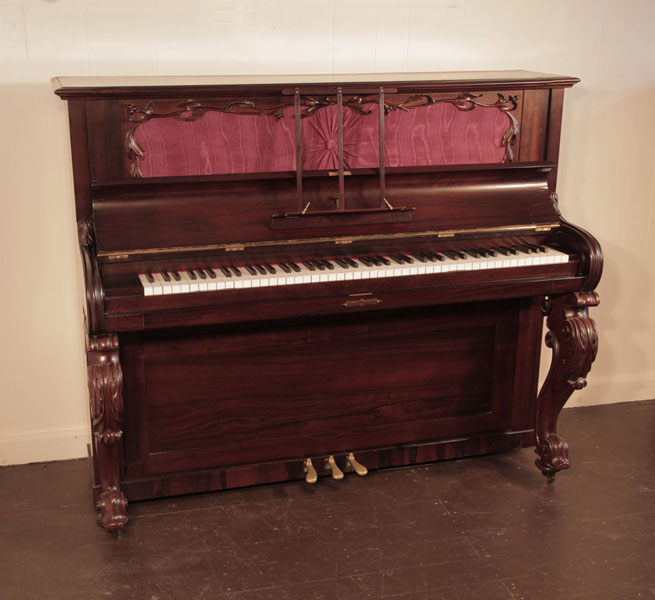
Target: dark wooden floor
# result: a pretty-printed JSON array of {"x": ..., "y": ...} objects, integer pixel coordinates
[{"x": 486, "y": 528}]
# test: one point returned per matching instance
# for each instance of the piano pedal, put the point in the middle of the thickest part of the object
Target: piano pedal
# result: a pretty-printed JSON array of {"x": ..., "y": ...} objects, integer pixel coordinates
[
  {"x": 358, "y": 467},
  {"x": 310, "y": 471},
  {"x": 331, "y": 465}
]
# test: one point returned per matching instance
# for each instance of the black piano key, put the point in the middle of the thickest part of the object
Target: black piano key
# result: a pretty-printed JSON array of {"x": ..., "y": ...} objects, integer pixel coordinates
[
  {"x": 165, "y": 276},
  {"x": 351, "y": 262},
  {"x": 270, "y": 268},
  {"x": 176, "y": 275},
  {"x": 251, "y": 269},
  {"x": 534, "y": 248},
  {"x": 261, "y": 269},
  {"x": 284, "y": 267},
  {"x": 374, "y": 261},
  {"x": 225, "y": 271},
  {"x": 210, "y": 272},
  {"x": 236, "y": 271},
  {"x": 450, "y": 254},
  {"x": 408, "y": 259},
  {"x": 365, "y": 261},
  {"x": 318, "y": 264},
  {"x": 501, "y": 250},
  {"x": 542, "y": 248},
  {"x": 460, "y": 253},
  {"x": 523, "y": 248},
  {"x": 383, "y": 259},
  {"x": 342, "y": 263},
  {"x": 328, "y": 264},
  {"x": 472, "y": 252},
  {"x": 309, "y": 265},
  {"x": 150, "y": 278},
  {"x": 295, "y": 267},
  {"x": 201, "y": 274},
  {"x": 396, "y": 259},
  {"x": 420, "y": 257},
  {"x": 432, "y": 256},
  {"x": 487, "y": 251},
  {"x": 510, "y": 249}
]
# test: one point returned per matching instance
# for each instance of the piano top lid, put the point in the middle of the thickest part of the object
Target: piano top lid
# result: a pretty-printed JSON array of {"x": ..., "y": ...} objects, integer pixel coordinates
[{"x": 92, "y": 87}]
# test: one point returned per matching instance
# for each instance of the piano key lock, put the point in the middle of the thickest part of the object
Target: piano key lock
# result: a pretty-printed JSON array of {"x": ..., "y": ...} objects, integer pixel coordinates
[{"x": 330, "y": 464}]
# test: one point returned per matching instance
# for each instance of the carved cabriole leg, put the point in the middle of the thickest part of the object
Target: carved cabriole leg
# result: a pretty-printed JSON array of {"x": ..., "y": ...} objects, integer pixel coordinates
[
  {"x": 106, "y": 399},
  {"x": 573, "y": 339}
]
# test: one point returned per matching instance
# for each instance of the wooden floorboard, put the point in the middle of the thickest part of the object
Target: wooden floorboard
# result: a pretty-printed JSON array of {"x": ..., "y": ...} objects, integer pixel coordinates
[{"x": 488, "y": 528}]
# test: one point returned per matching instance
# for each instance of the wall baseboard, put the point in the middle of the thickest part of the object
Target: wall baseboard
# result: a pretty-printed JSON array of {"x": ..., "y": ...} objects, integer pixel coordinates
[
  {"x": 43, "y": 446},
  {"x": 63, "y": 444},
  {"x": 613, "y": 389}
]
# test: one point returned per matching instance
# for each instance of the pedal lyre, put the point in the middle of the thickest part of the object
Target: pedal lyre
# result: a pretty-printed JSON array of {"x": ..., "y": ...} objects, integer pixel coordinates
[
  {"x": 334, "y": 469},
  {"x": 310, "y": 471},
  {"x": 358, "y": 467}
]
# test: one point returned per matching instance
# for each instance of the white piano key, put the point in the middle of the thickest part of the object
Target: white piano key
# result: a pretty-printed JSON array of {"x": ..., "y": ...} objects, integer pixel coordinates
[
  {"x": 176, "y": 286},
  {"x": 147, "y": 285},
  {"x": 192, "y": 283},
  {"x": 166, "y": 286}
]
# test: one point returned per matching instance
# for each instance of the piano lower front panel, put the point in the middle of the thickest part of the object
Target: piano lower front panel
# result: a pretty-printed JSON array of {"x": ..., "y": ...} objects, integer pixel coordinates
[{"x": 230, "y": 406}]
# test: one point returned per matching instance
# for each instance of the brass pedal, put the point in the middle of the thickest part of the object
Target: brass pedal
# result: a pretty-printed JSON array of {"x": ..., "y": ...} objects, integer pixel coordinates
[
  {"x": 358, "y": 467},
  {"x": 335, "y": 471},
  {"x": 311, "y": 476}
]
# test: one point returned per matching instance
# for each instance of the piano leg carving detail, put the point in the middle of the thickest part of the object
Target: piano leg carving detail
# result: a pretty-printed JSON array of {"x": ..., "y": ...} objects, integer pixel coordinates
[
  {"x": 106, "y": 404},
  {"x": 574, "y": 342}
]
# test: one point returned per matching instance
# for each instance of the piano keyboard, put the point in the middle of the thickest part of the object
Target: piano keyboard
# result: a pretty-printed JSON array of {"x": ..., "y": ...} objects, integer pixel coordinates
[{"x": 320, "y": 270}]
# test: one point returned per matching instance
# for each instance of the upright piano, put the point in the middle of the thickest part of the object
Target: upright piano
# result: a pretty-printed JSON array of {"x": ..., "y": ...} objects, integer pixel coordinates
[{"x": 296, "y": 277}]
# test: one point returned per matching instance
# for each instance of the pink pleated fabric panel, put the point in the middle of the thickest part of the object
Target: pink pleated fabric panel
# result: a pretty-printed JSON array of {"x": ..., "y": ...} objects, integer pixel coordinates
[
  {"x": 320, "y": 140},
  {"x": 216, "y": 143},
  {"x": 441, "y": 134},
  {"x": 223, "y": 143}
]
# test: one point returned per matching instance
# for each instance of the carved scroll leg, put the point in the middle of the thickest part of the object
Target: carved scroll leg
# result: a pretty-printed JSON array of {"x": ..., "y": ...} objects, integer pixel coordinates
[
  {"x": 106, "y": 398},
  {"x": 573, "y": 339}
]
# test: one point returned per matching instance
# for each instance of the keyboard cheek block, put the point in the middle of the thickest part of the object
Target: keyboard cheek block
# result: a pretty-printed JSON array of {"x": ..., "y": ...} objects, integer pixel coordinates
[{"x": 313, "y": 279}]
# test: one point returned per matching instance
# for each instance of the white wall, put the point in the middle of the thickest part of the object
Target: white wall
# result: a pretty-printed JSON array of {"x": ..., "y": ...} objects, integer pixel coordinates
[{"x": 607, "y": 181}]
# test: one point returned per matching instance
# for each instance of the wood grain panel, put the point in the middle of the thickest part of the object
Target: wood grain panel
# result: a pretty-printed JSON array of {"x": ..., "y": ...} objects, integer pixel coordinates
[
  {"x": 534, "y": 125},
  {"x": 236, "y": 396}
]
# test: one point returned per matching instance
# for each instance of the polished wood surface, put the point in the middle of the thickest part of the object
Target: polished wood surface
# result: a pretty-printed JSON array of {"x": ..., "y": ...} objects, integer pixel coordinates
[{"x": 206, "y": 391}]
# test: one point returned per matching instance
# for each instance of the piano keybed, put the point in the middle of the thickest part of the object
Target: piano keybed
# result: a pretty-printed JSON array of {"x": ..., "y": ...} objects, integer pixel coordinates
[{"x": 359, "y": 266}]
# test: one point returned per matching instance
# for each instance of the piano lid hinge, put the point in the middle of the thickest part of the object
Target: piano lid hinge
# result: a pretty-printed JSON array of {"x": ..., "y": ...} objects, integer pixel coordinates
[
  {"x": 344, "y": 241},
  {"x": 446, "y": 234},
  {"x": 543, "y": 228},
  {"x": 118, "y": 256},
  {"x": 234, "y": 248}
]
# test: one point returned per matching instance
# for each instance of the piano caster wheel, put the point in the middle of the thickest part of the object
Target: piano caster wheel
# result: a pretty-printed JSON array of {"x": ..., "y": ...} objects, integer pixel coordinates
[
  {"x": 359, "y": 468},
  {"x": 549, "y": 475},
  {"x": 334, "y": 469},
  {"x": 310, "y": 471}
]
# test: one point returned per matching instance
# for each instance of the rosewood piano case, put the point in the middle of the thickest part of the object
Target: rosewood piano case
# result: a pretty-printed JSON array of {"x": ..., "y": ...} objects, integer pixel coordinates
[{"x": 220, "y": 389}]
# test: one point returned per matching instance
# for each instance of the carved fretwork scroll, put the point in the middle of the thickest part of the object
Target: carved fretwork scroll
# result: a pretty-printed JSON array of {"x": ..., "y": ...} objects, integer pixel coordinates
[
  {"x": 574, "y": 342},
  {"x": 106, "y": 403}
]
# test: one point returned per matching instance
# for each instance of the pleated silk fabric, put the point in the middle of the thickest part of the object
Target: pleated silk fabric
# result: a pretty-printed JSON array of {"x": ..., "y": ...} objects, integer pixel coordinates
[{"x": 223, "y": 143}]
